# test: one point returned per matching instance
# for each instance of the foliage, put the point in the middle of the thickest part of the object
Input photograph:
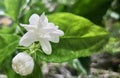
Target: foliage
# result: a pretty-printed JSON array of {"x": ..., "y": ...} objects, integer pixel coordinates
[
  {"x": 82, "y": 38},
  {"x": 8, "y": 45},
  {"x": 83, "y": 22}
]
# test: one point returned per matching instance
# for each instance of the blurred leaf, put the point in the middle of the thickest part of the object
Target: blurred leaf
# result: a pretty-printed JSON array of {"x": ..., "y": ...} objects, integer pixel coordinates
[
  {"x": 91, "y": 9},
  {"x": 2, "y": 7},
  {"x": 7, "y": 30},
  {"x": 114, "y": 40},
  {"x": 83, "y": 7},
  {"x": 36, "y": 6},
  {"x": 82, "y": 38},
  {"x": 13, "y": 8},
  {"x": 8, "y": 44}
]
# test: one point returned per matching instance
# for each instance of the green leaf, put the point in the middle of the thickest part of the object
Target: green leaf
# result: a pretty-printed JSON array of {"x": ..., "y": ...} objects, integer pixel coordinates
[
  {"x": 82, "y": 38},
  {"x": 13, "y": 8},
  {"x": 7, "y": 30},
  {"x": 84, "y": 7},
  {"x": 8, "y": 44},
  {"x": 91, "y": 9}
]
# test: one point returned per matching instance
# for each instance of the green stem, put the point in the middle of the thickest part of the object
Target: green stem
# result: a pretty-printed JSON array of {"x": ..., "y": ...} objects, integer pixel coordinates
[
  {"x": 78, "y": 66},
  {"x": 22, "y": 48},
  {"x": 37, "y": 73},
  {"x": 41, "y": 73},
  {"x": 19, "y": 30}
]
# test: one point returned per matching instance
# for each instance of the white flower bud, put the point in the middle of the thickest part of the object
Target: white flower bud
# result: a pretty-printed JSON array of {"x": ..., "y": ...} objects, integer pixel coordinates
[{"x": 23, "y": 64}]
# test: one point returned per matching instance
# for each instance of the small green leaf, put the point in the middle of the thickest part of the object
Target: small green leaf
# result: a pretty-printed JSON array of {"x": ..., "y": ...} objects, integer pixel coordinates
[
  {"x": 82, "y": 38},
  {"x": 8, "y": 44}
]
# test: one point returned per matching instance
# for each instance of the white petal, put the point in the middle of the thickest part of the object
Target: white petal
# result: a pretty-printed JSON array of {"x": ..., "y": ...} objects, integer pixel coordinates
[
  {"x": 34, "y": 19},
  {"x": 50, "y": 29},
  {"x": 43, "y": 18},
  {"x": 58, "y": 32},
  {"x": 51, "y": 26},
  {"x": 54, "y": 38},
  {"x": 46, "y": 47},
  {"x": 28, "y": 39},
  {"x": 28, "y": 27}
]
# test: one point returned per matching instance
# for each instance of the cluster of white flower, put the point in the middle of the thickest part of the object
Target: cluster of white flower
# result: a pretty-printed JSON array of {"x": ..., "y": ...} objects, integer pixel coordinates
[{"x": 40, "y": 30}]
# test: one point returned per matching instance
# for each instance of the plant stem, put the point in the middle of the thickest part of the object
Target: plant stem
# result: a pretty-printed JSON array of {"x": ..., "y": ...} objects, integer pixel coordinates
[
  {"x": 78, "y": 66},
  {"x": 37, "y": 73}
]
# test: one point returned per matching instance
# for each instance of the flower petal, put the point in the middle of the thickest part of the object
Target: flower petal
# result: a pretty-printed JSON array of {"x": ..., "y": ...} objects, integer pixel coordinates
[
  {"x": 28, "y": 27},
  {"x": 58, "y": 32},
  {"x": 28, "y": 39},
  {"x": 54, "y": 38},
  {"x": 43, "y": 18},
  {"x": 46, "y": 47},
  {"x": 34, "y": 19},
  {"x": 51, "y": 26}
]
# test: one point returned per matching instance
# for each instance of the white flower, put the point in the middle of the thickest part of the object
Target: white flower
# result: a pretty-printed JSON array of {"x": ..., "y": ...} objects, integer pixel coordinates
[
  {"x": 23, "y": 64},
  {"x": 40, "y": 30}
]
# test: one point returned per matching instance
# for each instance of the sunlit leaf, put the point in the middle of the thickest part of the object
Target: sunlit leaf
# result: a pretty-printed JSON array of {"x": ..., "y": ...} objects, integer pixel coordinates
[
  {"x": 82, "y": 38},
  {"x": 13, "y": 8}
]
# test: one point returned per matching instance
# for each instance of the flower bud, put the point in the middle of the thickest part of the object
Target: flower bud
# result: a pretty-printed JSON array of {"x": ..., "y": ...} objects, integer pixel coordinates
[{"x": 23, "y": 64}]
